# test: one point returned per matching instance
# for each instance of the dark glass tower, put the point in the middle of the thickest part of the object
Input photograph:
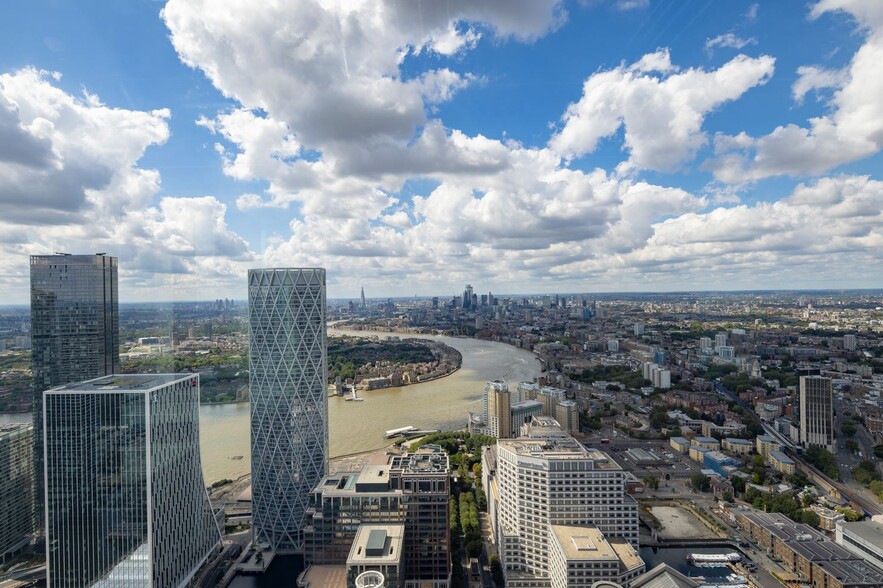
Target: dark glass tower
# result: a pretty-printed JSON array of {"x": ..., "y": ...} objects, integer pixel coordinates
[
  {"x": 74, "y": 331},
  {"x": 126, "y": 502}
]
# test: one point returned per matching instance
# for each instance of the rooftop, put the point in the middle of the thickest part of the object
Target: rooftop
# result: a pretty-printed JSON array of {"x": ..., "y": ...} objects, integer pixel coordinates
[
  {"x": 853, "y": 572},
  {"x": 781, "y": 457},
  {"x": 737, "y": 441},
  {"x": 324, "y": 577},
  {"x": 583, "y": 543},
  {"x": 125, "y": 383},
  {"x": 870, "y": 531},
  {"x": 377, "y": 545},
  {"x": 663, "y": 576},
  {"x": 527, "y": 405}
]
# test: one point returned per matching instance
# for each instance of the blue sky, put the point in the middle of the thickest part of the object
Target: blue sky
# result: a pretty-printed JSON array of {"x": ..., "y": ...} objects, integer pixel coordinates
[{"x": 523, "y": 145}]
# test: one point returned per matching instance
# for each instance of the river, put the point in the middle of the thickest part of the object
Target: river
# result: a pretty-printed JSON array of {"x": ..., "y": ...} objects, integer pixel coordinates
[{"x": 360, "y": 426}]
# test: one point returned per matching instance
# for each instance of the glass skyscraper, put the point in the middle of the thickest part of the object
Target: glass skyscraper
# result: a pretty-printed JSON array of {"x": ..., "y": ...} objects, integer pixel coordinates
[
  {"x": 74, "y": 329},
  {"x": 289, "y": 403},
  {"x": 126, "y": 502},
  {"x": 16, "y": 487}
]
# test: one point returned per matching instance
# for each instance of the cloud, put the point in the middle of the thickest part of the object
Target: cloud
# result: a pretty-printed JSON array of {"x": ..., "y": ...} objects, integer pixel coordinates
[
  {"x": 811, "y": 77},
  {"x": 662, "y": 114},
  {"x": 70, "y": 180},
  {"x": 729, "y": 40},
  {"x": 852, "y": 130},
  {"x": 59, "y": 153},
  {"x": 331, "y": 70},
  {"x": 632, "y": 4}
]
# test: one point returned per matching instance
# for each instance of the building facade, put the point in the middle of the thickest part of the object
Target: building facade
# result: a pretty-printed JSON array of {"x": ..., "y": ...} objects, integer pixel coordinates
[
  {"x": 817, "y": 412},
  {"x": 74, "y": 330},
  {"x": 411, "y": 490},
  {"x": 16, "y": 487},
  {"x": 126, "y": 502},
  {"x": 289, "y": 403},
  {"x": 547, "y": 478}
]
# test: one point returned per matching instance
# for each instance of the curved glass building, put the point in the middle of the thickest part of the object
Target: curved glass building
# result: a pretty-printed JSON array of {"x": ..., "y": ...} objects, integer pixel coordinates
[{"x": 289, "y": 403}]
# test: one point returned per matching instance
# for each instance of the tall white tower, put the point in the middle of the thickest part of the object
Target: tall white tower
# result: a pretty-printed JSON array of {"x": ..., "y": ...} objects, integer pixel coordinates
[{"x": 289, "y": 403}]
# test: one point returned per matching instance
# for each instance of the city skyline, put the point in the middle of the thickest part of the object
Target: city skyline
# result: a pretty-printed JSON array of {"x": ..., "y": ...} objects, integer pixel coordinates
[{"x": 547, "y": 145}]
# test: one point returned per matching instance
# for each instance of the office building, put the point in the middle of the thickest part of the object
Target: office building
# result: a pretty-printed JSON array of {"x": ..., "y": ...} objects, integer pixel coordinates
[
  {"x": 289, "y": 403},
  {"x": 126, "y": 502},
  {"x": 816, "y": 412},
  {"x": 546, "y": 478},
  {"x": 74, "y": 330},
  {"x": 410, "y": 490},
  {"x": 16, "y": 487},
  {"x": 581, "y": 556},
  {"x": 864, "y": 539}
]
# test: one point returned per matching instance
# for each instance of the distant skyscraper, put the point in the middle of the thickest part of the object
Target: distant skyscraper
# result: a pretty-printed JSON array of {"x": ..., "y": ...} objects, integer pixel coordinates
[
  {"x": 126, "y": 503},
  {"x": 364, "y": 306},
  {"x": 289, "y": 403},
  {"x": 816, "y": 412},
  {"x": 74, "y": 330},
  {"x": 16, "y": 487},
  {"x": 467, "y": 297}
]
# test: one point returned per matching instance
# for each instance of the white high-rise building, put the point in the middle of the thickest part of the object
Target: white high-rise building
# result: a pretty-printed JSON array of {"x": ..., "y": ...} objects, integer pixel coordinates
[
  {"x": 849, "y": 342},
  {"x": 546, "y": 478},
  {"x": 289, "y": 402},
  {"x": 727, "y": 352},
  {"x": 126, "y": 501},
  {"x": 639, "y": 329},
  {"x": 817, "y": 412},
  {"x": 720, "y": 340}
]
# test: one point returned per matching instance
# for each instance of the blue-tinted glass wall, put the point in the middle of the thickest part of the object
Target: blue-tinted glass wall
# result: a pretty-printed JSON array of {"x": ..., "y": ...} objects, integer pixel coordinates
[{"x": 74, "y": 330}]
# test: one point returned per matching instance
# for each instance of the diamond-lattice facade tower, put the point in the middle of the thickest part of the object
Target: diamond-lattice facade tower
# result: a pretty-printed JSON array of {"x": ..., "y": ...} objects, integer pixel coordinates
[{"x": 289, "y": 402}]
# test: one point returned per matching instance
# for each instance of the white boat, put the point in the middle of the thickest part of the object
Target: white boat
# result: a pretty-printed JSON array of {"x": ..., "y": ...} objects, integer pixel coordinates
[
  {"x": 400, "y": 431},
  {"x": 699, "y": 559},
  {"x": 354, "y": 397}
]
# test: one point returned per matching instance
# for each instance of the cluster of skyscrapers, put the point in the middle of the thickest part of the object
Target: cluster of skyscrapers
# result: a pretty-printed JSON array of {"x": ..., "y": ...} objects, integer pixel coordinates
[
  {"x": 506, "y": 411},
  {"x": 119, "y": 495}
]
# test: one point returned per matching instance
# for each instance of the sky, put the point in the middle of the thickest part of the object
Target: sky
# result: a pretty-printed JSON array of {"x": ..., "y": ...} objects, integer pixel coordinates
[{"x": 415, "y": 146}]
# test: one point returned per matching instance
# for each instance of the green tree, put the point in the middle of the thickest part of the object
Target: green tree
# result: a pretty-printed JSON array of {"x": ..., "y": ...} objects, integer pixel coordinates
[
  {"x": 700, "y": 482},
  {"x": 847, "y": 428},
  {"x": 497, "y": 571},
  {"x": 651, "y": 482},
  {"x": 823, "y": 460},
  {"x": 476, "y": 470},
  {"x": 852, "y": 445}
]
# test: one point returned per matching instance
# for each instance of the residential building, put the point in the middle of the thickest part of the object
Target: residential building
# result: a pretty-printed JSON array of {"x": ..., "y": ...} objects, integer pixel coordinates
[
  {"x": 766, "y": 444},
  {"x": 567, "y": 415},
  {"x": 522, "y": 412},
  {"x": 546, "y": 478},
  {"x": 737, "y": 446},
  {"x": 289, "y": 403},
  {"x": 817, "y": 412},
  {"x": 613, "y": 345},
  {"x": 706, "y": 346},
  {"x": 726, "y": 352},
  {"x": 74, "y": 331},
  {"x": 125, "y": 497},
  {"x": 679, "y": 444},
  {"x": 16, "y": 487},
  {"x": 720, "y": 339},
  {"x": 849, "y": 342},
  {"x": 706, "y": 442},
  {"x": 638, "y": 329},
  {"x": 498, "y": 401},
  {"x": 781, "y": 462}
]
